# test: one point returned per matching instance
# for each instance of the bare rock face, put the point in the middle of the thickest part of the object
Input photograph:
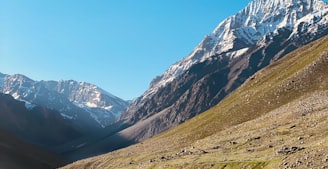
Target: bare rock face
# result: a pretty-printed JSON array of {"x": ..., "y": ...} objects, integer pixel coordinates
[{"x": 239, "y": 47}]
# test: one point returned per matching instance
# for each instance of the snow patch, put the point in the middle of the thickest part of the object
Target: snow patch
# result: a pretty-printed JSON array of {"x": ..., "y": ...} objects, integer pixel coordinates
[
  {"x": 91, "y": 105},
  {"x": 65, "y": 116},
  {"x": 108, "y": 107},
  {"x": 16, "y": 95},
  {"x": 96, "y": 118},
  {"x": 81, "y": 145},
  {"x": 238, "y": 53},
  {"x": 29, "y": 106}
]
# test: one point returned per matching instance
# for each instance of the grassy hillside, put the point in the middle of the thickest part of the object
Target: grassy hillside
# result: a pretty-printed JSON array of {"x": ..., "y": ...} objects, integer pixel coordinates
[{"x": 277, "y": 119}]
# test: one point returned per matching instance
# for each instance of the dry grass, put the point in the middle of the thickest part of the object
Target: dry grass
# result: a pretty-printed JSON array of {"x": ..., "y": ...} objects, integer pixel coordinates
[{"x": 284, "y": 105}]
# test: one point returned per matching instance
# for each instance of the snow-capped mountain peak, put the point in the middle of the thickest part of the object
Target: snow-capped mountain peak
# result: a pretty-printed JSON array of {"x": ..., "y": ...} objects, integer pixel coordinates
[
  {"x": 237, "y": 33},
  {"x": 259, "y": 18},
  {"x": 89, "y": 96},
  {"x": 66, "y": 96}
]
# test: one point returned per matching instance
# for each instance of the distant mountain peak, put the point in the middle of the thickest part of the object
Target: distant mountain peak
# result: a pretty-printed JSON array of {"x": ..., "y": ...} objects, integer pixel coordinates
[{"x": 65, "y": 95}]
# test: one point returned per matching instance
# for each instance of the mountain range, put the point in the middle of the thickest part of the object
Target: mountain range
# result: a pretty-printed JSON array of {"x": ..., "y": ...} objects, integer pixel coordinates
[
  {"x": 252, "y": 94},
  {"x": 276, "y": 119},
  {"x": 74, "y": 100},
  {"x": 211, "y": 73},
  {"x": 257, "y": 37}
]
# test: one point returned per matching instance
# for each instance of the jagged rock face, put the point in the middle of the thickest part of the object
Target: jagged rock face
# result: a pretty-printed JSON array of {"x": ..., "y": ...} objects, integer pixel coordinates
[
  {"x": 74, "y": 100},
  {"x": 240, "y": 46}
]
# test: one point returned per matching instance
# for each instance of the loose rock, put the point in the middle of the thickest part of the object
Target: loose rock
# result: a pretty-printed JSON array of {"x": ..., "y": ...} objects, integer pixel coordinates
[{"x": 289, "y": 150}]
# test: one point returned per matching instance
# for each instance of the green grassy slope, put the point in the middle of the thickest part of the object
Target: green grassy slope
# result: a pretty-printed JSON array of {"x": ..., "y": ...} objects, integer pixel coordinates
[{"x": 272, "y": 121}]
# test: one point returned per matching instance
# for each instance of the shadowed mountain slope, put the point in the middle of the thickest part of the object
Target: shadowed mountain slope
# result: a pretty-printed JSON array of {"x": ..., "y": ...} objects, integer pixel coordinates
[
  {"x": 16, "y": 154},
  {"x": 36, "y": 124}
]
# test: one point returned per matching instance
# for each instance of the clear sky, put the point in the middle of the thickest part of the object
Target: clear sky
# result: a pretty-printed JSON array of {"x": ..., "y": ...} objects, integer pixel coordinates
[{"x": 119, "y": 45}]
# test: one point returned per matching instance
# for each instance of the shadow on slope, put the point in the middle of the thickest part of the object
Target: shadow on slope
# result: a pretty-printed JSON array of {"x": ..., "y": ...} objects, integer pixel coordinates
[
  {"x": 36, "y": 125},
  {"x": 98, "y": 145},
  {"x": 16, "y": 154}
]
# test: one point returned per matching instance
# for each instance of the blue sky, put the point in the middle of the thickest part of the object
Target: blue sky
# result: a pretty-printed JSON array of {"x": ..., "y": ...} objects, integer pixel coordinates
[{"x": 119, "y": 45}]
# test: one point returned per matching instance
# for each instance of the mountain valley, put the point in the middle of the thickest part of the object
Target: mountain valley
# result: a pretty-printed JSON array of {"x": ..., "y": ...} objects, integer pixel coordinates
[
  {"x": 276, "y": 119},
  {"x": 252, "y": 94}
]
